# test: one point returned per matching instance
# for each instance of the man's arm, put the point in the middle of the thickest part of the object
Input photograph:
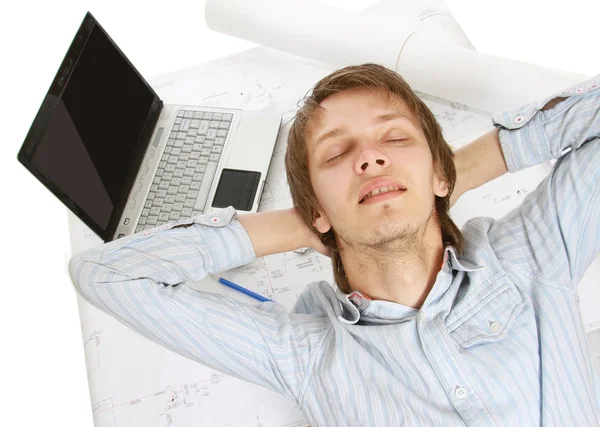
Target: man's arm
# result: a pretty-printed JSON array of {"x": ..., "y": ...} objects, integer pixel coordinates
[
  {"x": 139, "y": 280},
  {"x": 477, "y": 163},
  {"x": 555, "y": 234}
]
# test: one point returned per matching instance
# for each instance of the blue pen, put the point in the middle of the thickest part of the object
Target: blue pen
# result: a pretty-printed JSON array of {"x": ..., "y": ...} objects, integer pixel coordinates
[{"x": 241, "y": 289}]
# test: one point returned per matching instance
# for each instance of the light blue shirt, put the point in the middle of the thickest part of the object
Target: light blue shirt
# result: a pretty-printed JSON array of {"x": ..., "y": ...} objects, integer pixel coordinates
[{"x": 499, "y": 341}]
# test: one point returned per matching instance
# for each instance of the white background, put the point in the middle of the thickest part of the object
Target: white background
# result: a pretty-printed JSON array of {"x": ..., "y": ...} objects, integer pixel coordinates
[{"x": 43, "y": 377}]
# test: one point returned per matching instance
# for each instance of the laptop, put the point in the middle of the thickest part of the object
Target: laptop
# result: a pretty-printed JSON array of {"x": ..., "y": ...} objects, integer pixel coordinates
[{"x": 123, "y": 161}]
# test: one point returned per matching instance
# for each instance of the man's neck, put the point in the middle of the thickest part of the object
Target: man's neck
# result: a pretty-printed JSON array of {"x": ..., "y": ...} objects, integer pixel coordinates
[{"x": 403, "y": 272}]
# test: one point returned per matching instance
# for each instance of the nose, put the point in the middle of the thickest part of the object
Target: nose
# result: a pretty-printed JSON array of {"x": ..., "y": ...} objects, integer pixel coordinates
[{"x": 373, "y": 160}]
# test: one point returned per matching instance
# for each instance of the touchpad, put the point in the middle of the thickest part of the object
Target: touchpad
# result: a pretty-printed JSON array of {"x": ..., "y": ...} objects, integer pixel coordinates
[{"x": 236, "y": 188}]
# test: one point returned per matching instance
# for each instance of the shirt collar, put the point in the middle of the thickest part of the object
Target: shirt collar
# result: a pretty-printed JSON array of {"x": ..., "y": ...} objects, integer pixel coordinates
[{"x": 356, "y": 305}]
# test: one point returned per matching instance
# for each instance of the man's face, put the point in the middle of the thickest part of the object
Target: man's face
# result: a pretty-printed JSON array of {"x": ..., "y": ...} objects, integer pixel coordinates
[{"x": 376, "y": 143}]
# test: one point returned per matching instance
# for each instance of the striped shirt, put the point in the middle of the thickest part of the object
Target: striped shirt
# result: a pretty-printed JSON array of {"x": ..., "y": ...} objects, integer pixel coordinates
[{"x": 499, "y": 340}]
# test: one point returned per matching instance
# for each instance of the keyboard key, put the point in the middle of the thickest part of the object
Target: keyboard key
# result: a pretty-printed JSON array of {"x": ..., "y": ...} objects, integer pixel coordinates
[
  {"x": 203, "y": 127},
  {"x": 156, "y": 180},
  {"x": 178, "y": 143},
  {"x": 201, "y": 168},
  {"x": 187, "y": 148},
  {"x": 193, "y": 132},
  {"x": 227, "y": 117},
  {"x": 168, "y": 149},
  {"x": 181, "y": 164},
  {"x": 180, "y": 197},
  {"x": 154, "y": 210},
  {"x": 173, "y": 135},
  {"x": 198, "y": 176},
  {"x": 188, "y": 114},
  {"x": 178, "y": 173},
  {"x": 214, "y": 124},
  {"x": 217, "y": 116},
  {"x": 222, "y": 132},
  {"x": 184, "y": 156},
  {"x": 176, "y": 127},
  {"x": 184, "y": 189},
  {"x": 189, "y": 203},
  {"x": 192, "y": 194},
  {"x": 217, "y": 149},
  {"x": 205, "y": 152},
  {"x": 163, "y": 184},
  {"x": 157, "y": 202},
  {"x": 212, "y": 134},
  {"x": 205, "y": 187},
  {"x": 142, "y": 221},
  {"x": 154, "y": 187},
  {"x": 176, "y": 182},
  {"x": 148, "y": 204},
  {"x": 198, "y": 114},
  {"x": 177, "y": 207},
  {"x": 178, "y": 119},
  {"x": 214, "y": 157},
  {"x": 170, "y": 167},
  {"x": 219, "y": 141},
  {"x": 172, "y": 190},
  {"x": 151, "y": 220},
  {"x": 224, "y": 125},
  {"x": 188, "y": 172},
  {"x": 162, "y": 164},
  {"x": 174, "y": 216},
  {"x": 185, "y": 125},
  {"x": 169, "y": 200},
  {"x": 180, "y": 113},
  {"x": 173, "y": 159},
  {"x": 190, "y": 140},
  {"x": 192, "y": 163},
  {"x": 186, "y": 180},
  {"x": 195, "y": 124},
  {"x": 186, "y": 212},
  {"x": 195, "y": 155},
  {"x": 161, "y": 193},
  {"x": 151, "y": 196},
  {"x": 203, "y": 160},
  {"x": 181, "y": 135},
  {"x": 176, "y": 151},
  {"x": 200, "y": 139},
  {"x": 195, "y": 185},
  {"x": 163, "y": 216},
  {"x": 145, "y": 212},
  {"x": 209, "y": 143},
  {"x": 207, "y": 116}
]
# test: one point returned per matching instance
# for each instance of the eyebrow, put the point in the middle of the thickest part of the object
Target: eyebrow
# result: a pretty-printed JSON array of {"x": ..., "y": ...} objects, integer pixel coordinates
[{"x": 341, "y": 131}]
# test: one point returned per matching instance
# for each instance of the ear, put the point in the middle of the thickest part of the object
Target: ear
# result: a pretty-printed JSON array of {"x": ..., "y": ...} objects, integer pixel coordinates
[
  {"x": 440, "y": 185},
  {"x": 321, "y": 221}
]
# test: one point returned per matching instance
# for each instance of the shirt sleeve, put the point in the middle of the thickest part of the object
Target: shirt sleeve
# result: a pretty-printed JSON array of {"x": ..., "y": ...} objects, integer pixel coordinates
[
  {"x": 555, "y": 233},
  {"x": 139, "y": 280}
]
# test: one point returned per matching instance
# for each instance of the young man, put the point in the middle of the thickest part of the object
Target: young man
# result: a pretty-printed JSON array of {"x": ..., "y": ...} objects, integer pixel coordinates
[{"x": 425, "y": 325}]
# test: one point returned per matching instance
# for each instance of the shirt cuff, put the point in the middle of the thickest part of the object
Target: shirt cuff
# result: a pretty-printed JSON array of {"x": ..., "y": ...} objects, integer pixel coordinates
[{"x": 523, "y": 139}]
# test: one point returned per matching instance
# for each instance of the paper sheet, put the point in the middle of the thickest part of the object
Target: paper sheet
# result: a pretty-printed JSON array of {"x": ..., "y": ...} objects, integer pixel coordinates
[
  {"x": 427, "y": 56},
  {"x": 134, "y": 381}
]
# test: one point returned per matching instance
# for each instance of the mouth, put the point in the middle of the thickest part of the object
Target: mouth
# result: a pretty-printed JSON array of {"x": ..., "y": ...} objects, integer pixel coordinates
[{"x": 381, "y": 194}]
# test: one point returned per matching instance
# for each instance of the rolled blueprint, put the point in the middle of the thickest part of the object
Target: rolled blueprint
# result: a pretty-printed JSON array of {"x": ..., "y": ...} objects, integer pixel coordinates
[{"x": 339, "y": 38}]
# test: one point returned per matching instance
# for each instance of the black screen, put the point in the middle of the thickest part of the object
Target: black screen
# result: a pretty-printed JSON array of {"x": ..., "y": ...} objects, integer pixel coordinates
[{"x": 88, "y": 147}]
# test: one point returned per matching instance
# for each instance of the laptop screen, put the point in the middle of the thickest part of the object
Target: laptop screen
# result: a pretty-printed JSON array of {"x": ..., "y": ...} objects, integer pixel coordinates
[{"x": 88, "y": 146}]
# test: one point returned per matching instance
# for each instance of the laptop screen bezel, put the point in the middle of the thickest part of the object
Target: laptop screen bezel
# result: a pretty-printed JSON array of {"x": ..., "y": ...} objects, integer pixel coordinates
[{"x": 42, "y": 119}]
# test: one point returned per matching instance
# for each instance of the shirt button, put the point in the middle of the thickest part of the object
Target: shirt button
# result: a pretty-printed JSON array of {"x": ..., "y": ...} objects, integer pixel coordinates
[
  {"x": 495, "y": 327},
  {"x": 519, "y": 119},
  {"x": 215, "y": 219},
  {"x": 460, "y": 392}
]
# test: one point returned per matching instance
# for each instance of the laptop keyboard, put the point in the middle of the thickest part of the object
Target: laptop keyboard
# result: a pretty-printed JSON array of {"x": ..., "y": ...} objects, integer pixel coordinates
[{"x": 187, "y": 168}]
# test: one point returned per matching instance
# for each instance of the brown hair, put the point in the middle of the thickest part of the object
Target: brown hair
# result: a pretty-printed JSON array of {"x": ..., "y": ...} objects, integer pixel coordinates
[{"x": 296, "y": 156}]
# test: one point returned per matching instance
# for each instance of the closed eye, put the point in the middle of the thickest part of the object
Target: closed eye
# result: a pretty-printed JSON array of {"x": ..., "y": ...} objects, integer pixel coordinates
[{"x": 397, "y": 140}]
